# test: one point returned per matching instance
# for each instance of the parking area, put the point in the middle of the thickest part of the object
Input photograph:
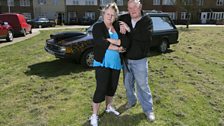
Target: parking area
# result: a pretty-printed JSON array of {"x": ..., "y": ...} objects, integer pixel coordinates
[
  {"x": 35, "y": 32},
  {"x": 19, "y": 39}
]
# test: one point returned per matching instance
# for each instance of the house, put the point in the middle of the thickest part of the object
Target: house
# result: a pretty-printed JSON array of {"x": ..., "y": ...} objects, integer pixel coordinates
[
  {"x": 24, "y": 7},
  {"x": 68, "y": 11},
  {"x": 52, "y": 9}
]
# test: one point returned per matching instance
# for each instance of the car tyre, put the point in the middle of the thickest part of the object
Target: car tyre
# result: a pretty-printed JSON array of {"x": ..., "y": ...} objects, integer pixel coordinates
[
  {"x": 31, "y": 31},
  {"x": 163, "y": 47},
  {"x": 9, "y": 37},
  {"x": 24, "y": 32},
  {"x": 87, "y": 58}
]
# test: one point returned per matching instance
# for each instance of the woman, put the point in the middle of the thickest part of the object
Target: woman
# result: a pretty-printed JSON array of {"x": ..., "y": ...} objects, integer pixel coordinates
[{"x": 107, "y": 62}]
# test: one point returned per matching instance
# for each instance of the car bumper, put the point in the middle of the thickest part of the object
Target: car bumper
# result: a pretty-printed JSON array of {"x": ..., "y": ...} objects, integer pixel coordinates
[{"x": 56, "y": 51}]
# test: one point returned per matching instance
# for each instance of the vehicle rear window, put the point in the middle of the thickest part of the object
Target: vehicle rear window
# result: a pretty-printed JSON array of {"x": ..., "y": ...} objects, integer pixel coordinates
[{"x": 161, "y": 23}]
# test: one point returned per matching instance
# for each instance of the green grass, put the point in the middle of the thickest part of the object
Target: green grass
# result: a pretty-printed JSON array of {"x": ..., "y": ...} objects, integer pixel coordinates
[{"x": 186, "y": 83}]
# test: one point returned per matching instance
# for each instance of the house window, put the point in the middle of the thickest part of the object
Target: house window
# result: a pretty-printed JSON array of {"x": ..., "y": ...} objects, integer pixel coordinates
[
  {"x": 55, "y": 2},
  {"x": 27, "y": 15},
  {"x": 172, "y": 15},
  {"x": 200, "y": 2},
  {"x": 120, "y": 2},
  {"x": 90, "y": 15},
  {"x": 89, "y": 2},
  {"x": 184, "y": 15},
  {"x": 169, "y": 2},
  {"x": 24, "y": 3},
  {"x": 43, "y": 14},
  {"x": 10, "y": 2},
  {"x": 42, "y": 2},
  {"x": 75, "y": 2},
  {"x": 72, "y": 16},
  {"x": 220, "y": 2},
  {"x": 105, "y": 2},
  {"x": 187, "y": 2},
  {"x": 156, "y": 2}
]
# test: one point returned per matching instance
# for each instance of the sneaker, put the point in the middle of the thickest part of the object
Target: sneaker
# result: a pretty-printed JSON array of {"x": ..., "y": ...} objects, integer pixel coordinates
[
  {"x": 128, "y": 106},
  {"x": 112, "y": 110},
  {"x": 150, "y": 116},
  {"x": 94, "y": 120}
]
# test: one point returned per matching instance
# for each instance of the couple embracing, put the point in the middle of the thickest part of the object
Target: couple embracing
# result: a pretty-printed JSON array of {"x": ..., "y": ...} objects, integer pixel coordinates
[{"x": 122, "y": 43}]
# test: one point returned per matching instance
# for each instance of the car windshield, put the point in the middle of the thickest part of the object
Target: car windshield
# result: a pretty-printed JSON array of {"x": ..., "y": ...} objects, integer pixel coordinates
[{"x": 41, "y": 19}]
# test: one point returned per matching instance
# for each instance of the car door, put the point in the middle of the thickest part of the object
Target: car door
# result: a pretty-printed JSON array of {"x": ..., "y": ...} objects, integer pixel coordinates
[{"x": 3, "y": 30}]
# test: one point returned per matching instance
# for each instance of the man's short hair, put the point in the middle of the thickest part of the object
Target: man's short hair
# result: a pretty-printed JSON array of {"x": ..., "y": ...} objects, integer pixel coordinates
[{"x": 135, "y": 1}]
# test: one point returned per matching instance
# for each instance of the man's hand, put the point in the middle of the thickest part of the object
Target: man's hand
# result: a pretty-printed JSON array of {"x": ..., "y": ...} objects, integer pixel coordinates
[
  {"x": 124, "y": 27},
  {"x": 121, "y": 49}
]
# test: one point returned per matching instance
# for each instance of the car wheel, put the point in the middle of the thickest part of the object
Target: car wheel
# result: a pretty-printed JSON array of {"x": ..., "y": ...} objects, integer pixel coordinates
[
  {"x": 163, "y": 47},
  {"x": 31, "y": 31},
  {"x": 9, "y": 37},
  {"x": 24, "y": 32},
  {"x": 87, "y": 58}
]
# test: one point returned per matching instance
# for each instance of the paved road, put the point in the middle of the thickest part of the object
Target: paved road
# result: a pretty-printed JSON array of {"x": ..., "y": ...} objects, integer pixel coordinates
[{"x": 36, "y": 32}]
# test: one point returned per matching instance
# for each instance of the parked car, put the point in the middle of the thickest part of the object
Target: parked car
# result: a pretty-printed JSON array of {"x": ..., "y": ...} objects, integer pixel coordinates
[
  {"x": 6, "y": 31},
  {"x": 18, "y": 23},
  {"x": 86, "y": 21},
  {"x": 42, "y": 22},
  {"x": 79, "y": 46}
]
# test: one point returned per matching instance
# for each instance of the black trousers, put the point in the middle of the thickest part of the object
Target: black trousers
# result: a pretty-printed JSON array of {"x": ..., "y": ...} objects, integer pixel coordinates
[{"x": 106, "y": 83}]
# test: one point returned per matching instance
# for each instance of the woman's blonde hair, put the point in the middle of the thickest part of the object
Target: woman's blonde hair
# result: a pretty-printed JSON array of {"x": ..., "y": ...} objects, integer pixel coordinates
[{"x": 112, "y": 6}]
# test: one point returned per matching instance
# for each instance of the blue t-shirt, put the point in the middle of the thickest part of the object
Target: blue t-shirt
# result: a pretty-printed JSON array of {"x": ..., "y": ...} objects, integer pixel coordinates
[{"x": 112, "y": 58}]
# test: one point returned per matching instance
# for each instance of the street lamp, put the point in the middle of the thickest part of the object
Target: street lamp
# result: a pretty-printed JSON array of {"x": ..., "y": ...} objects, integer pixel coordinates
[{"x": 9, "y": 4}]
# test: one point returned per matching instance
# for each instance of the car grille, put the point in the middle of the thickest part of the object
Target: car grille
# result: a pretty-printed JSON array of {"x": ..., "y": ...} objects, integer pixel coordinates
[{"x": 52, "y": 47}]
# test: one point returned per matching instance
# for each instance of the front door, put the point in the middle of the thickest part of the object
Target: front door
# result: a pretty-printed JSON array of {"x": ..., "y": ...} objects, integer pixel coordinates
[{"x": 203, "y": 17}]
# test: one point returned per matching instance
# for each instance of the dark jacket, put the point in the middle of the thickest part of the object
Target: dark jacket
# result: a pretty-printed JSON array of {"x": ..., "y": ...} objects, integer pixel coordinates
[
  {"x": 140, "y": 37},
  {"x": 100, "y": 34}
]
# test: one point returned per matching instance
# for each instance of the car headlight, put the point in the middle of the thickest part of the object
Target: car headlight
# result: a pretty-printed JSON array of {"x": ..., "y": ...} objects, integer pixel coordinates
[
  {"x": 69, "y": 50},
  {"x": 62, "y": 49}
]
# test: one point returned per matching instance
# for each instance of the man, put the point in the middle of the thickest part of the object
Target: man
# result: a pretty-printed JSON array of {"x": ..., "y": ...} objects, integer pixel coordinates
[{"x": 139, "y": 31}]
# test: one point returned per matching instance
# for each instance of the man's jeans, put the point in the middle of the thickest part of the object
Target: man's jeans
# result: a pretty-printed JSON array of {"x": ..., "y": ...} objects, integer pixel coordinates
[{"x": 138, "y": 71}]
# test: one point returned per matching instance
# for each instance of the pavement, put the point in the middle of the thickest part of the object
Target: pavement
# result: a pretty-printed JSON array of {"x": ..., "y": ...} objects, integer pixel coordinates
[{"x": 37, "y": 31}]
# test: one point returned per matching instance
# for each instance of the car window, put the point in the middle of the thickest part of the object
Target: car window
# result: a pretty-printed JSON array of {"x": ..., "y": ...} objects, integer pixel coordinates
[
  {"x": 161, "y": 23},
  {"x": 43, "y": 19}
]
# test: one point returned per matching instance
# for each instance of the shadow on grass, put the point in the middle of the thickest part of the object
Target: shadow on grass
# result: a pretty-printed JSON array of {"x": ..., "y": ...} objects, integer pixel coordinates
[
  {"x": 155, "y": 52},
  {"x": 122, "y": 120},
  {"x": 54, "y": 68}
]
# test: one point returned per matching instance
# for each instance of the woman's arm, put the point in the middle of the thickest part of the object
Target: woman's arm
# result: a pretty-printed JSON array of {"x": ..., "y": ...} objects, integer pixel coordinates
[
  {"x": 99, "y": 39},
  {"x": 114, "y": 41}
]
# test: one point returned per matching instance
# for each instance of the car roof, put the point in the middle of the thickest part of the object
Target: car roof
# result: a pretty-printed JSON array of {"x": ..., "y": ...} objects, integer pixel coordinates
[
  {"x": 157, "y": 14},
  {"x": 150, "y": 13}
]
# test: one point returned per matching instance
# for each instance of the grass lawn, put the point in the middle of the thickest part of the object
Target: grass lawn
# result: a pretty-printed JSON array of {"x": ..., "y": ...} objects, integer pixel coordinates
[{"x": 37, "y": 89}]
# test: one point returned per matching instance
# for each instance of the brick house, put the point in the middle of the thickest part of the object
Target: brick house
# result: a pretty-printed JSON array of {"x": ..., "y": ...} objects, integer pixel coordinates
[
  {"x": 198, "y": 11},
  {"x": 24, "y": 7}
]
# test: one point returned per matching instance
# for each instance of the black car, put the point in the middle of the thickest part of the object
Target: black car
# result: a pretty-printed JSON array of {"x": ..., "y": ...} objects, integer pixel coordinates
[
  {"x": 79, "y": 46},
  {"x": 42, "y": 22}
]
